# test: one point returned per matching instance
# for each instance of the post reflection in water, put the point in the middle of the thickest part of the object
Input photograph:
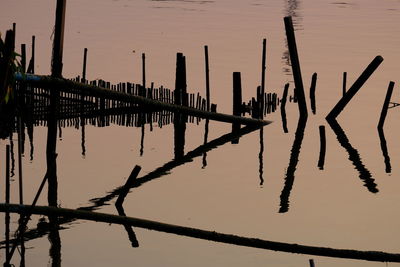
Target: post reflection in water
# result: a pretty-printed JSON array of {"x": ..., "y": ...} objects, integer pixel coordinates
[
  {"x": 294, "y": 159},
  {"x": 354, "y": 157},
  {"x": 121, "y": 198},
  {"x": 388, "y": 166},
  {"x": 179, "y": 135},
  {"x": 206, "y": 125},
  {"x": 261, "y": 157}
]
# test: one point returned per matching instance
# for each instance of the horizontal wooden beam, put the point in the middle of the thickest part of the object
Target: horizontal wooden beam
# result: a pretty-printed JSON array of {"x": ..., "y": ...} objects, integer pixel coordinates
[
  {"x": 60, "y": 84},
  {"x": 203, "y": 234}
]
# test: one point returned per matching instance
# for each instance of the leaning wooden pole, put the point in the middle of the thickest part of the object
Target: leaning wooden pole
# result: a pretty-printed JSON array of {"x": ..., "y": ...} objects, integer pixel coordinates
[
  {"x": 68, "y": 86},
  {"x": 385, "y": 105},
  {"x": 294, "y": 58},
  {"x": 354, "y": 88},
  {"x": 203, "y": 234}
]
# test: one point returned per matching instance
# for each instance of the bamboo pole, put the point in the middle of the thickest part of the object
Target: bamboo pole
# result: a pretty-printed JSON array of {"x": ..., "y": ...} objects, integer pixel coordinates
[
  {"x": 294, "y": 58},
  {"x": 67, "y": 85},
  {"x": 386, "y": 105},
  {"x": 204, "y": 234},
  {"x": 207, "y": 77},
  {"x": 337, "y": 109}
]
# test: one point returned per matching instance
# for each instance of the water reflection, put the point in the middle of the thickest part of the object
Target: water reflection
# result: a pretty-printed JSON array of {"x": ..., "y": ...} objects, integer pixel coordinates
[
  {"x": 261, "y": 157},
  {"x": 294, "y": 159},
  {"x": 388, "y": 166},
  {"x": 354, "y": 157}
]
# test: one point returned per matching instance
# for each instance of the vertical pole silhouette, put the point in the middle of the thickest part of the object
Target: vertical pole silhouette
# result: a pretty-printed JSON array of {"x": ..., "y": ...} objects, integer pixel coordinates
[
  {"x": 283, "y": 108},
  {"x": 386, "y": 105},
  {"x": 312, "y": 92},
  {"x": 237, "y": 101},
  {"x": 207, "y": 77},
  {"x": 56, "y": 71},
  {"x": 344, "y": 83},
  {"x": 143, "y": 70},
  {"x": 322, "y": 150},
  {"x": 58, "y": 44},
  {"x": 84, "y": 65},
  {"x": 7, "y": 200},
  {"x": 31, "y": 66},
  {"x": 23, "y": 57},
  {"x": 19, "y": 125},
  {"x": 263, "y": 68},
  {"x": 312, "y": 263},
  {"x": 294, "y": 58},
  {"x": 354, "y": 88}
]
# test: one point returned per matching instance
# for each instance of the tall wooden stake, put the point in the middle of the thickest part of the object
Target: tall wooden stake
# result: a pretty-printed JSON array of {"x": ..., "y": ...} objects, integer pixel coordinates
[
  {"x": 207, "y": 78},
  {"x": 294, "y": 58}
]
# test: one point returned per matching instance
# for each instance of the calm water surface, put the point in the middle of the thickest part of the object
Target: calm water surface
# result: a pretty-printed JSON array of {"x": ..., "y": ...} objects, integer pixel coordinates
[{"x": 333, "y": 207}]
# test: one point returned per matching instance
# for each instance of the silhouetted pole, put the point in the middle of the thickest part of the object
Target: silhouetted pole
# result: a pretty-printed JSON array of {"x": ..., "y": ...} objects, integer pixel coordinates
[
  {"x": 263, "y": 68},
  {"x": 344, "y": 83},
  {"x": 23, "y": 57},
  {"x": 322, "y": 150},
  {"x": 58, "y": 45},
  {"x": 84, "y": 65},
  {"x": 312, "y": 92},
  {"x": 207, "y": 235},
  {"x": 354, "y": 88},
  {"x": 180, "y": 79},
  {"x": 385, "y": 105},
  {"x": 56, "y": 71},
  {"x": 20, "y": 144},
  {"x": 237, "y": 101},
  {"x": 31, "y": 66},
  {"x": 7, "y": 200},
  {"x": 294, "y": 58},
  {"x": 128, "y": 185},
  {"x": 207, "y": 78},
  {"x": 312, "y": 263},
  {"x": 144, "y": 70},
  {"x": 283, "y": 108}
]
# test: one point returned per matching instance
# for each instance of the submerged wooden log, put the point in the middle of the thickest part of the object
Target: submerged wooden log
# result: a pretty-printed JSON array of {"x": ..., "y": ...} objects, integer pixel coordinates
[
  {"x": 204, "y": 234},
  {"x": 67, "y": 85}
]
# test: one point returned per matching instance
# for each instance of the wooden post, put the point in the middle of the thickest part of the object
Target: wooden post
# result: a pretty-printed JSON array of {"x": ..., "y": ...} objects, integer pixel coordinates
[
  {"x": 58, "y": 45},
  {"x": 180, "y": 79},
  {"x": 312, "y": 92},
  {"x": 20, "y": 144},
  {"x": 344, "y": 83},
  {"x": 296, "y": 67},
  {"x": 144, "y": 70},
  {"x": 237, "y": 101},
  {"x": 263, "y": 68},
  {"x": 31, "y": 66},
  {"x": 207, "y": 78},
  {"x": 23, "y": 57},
  {"x": 322, "y": 150},
  {"x": 237, "y": 94},
  {"x": 7, "y": 200},
  {"x": 283, "y": 108},
  {"x": 84, "y": 65},
  {"x": 354, "y": 88},
  {"x": 385, "y": 105}
]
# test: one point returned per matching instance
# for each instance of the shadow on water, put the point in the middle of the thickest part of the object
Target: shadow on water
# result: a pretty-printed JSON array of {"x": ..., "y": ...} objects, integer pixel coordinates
[
  {"x": 354, "y": 157},
  {"x": 294, "y": 159}
]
